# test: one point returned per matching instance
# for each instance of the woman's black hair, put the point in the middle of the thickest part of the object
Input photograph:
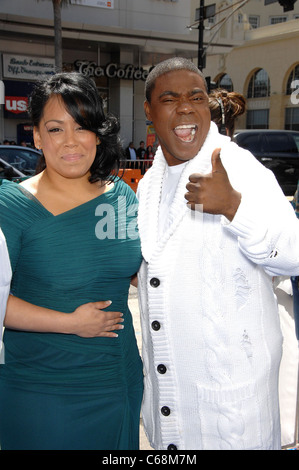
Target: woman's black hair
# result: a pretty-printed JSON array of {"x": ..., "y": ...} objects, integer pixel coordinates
[{"x": 84, "y": 104}]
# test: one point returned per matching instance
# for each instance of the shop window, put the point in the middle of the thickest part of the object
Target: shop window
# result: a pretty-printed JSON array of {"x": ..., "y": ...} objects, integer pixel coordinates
[
  {"x": 292, "y": 119},
  {"x": 225, "y": 82},
  {"x": 259, "y": 85},
  {"x": 257, "y": 119}
]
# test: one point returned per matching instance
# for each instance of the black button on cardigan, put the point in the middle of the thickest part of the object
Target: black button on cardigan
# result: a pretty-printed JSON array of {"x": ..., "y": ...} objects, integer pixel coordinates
[
  {"x": 165, "y": 411},
  {"x": 154, "y": 282},
  {"x": 156, "y": 325},
  {"x": 172, "y": 447},
  {"x": 161, "y": 368}
]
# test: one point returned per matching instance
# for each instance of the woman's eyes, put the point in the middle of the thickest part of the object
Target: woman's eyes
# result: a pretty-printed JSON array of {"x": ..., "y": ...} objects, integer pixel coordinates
[{"x": 54, "y": 130}]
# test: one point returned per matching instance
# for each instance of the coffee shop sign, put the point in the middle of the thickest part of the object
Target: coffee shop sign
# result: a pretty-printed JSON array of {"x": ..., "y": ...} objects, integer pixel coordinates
[{"x": 128, "y": 72}]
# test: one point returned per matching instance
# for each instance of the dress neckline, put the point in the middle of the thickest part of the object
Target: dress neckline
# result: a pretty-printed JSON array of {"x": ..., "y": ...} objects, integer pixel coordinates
[{"x": 32, "y": 198}]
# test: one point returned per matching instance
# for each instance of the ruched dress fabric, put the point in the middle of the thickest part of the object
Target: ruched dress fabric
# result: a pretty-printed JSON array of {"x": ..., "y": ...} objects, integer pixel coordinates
[{"x": 59, "y": 391}]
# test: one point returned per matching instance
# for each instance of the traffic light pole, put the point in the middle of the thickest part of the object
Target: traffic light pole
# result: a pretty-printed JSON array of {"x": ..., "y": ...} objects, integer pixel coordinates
[{"x": 201, "y": 59}]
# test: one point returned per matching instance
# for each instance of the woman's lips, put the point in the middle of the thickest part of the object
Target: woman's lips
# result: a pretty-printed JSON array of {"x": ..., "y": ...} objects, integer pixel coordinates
[
  {"x": 72, "y": 157},
  {"x": 186, "y": 132}
]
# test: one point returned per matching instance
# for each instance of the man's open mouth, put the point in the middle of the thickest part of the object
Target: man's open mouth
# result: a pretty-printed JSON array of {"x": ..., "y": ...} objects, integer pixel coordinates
[{"x": 186, "y": 132}]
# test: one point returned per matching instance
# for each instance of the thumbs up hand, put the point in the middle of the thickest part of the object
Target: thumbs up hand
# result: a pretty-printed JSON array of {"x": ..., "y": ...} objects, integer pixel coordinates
[{"x": 213, "y": 191}]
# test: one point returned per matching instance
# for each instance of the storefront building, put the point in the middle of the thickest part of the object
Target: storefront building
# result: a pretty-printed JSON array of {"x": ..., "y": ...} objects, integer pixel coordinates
[
  {"x": 113, "y": 43},
  {"x": 117, "y": 42}
]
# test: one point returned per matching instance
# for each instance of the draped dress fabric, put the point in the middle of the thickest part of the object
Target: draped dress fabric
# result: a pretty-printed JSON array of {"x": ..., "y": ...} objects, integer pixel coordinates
[{"x": 60, "y": 391}]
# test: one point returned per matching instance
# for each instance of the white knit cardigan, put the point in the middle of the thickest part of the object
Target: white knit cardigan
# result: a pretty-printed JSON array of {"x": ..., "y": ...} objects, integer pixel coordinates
[
  {"x": 5, "y": 278},
  {"x": 211, "y": 333}
]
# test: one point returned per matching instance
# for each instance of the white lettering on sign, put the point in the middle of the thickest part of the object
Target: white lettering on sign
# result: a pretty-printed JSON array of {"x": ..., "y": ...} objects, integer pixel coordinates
[
  {"x": 128, "y": 72},
  {"x": 16, "y": 104}
]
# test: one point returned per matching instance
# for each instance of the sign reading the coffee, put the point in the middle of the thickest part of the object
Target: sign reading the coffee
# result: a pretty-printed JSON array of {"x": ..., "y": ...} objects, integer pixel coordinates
[{"x": 128, "y": 72}]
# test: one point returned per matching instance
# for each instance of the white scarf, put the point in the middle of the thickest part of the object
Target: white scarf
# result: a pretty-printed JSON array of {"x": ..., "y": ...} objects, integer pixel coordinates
[{"x": 149, "y": 193}]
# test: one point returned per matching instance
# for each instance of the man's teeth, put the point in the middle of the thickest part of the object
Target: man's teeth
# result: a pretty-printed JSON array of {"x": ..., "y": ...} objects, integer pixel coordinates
[{"x": 185, "y": 132}]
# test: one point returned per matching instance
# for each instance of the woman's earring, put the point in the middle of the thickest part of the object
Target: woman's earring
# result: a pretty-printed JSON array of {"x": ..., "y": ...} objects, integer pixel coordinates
[{"x": 98, "y": 141}]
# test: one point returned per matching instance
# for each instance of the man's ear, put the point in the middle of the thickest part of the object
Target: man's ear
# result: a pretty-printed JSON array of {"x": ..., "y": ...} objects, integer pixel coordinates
[{"x": 146, "y": 106}]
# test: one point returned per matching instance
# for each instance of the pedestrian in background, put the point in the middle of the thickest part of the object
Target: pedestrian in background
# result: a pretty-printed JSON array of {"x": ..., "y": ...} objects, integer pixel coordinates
[
  {"x": 141, "y": 156},
  {"x": 225, "y": 107},
  {"x": 131, "y": 155},
  {"x": 149, "y": 155}
]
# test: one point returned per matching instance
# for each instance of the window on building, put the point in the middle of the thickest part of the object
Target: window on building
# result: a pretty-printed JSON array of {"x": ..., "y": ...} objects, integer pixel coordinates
[
  {"x": 277, "y": 19},
  {"x": 294, "y": 75},
  {"x": 292, "y": 119},
  {"x": 254, "y": 21},
  {"x": 211, "y": 20},
  {"x": 259, "y": 85},
  {"x": 257, "y": 119},
  {"x": 225, "y": 82}
]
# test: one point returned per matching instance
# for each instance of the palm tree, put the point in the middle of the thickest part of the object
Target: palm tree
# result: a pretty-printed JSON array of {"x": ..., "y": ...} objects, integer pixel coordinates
[{"x": 57, "y": 4}]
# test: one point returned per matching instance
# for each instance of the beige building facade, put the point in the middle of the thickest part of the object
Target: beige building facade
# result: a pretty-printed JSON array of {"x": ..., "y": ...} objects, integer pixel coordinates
[{"x": 264, "y": 66}]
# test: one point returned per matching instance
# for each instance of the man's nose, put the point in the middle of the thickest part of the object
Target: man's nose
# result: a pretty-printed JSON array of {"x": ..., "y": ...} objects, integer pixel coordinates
[{"x": 184, "y": 107}]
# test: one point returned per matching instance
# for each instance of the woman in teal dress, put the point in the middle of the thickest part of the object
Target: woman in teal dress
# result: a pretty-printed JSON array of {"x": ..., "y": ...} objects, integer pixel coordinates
[{"x": 72, "y": 239}]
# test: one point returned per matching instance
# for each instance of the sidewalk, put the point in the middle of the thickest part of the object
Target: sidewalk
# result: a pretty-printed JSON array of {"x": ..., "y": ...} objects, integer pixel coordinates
[{"x": 133, "y": 304}]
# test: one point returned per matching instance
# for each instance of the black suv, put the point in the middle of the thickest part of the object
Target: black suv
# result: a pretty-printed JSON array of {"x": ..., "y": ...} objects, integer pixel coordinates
[{"x": 277, "y": 150}]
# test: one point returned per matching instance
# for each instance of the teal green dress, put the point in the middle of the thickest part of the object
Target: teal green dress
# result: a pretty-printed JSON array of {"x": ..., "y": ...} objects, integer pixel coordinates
[{"x": 58, "y": 391}]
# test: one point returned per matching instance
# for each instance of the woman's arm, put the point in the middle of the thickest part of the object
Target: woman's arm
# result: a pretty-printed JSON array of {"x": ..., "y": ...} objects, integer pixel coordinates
[{"x": 88, "y": 320}]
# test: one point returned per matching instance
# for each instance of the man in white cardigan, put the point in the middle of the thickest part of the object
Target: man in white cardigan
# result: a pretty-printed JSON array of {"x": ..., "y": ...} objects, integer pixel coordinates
[
  {"x": 5, "y": 278},
  {"x": 215, "y": 228}
]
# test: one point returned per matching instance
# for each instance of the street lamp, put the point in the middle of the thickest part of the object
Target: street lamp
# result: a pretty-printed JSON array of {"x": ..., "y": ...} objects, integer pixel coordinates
[
  {"x": 201, "y": 14},
  {"x": 201, "y": 57}
]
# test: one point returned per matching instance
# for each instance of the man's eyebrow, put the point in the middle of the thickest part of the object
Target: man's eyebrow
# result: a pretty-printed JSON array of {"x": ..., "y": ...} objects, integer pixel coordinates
[
  {"x": 171, "y": 93},
  {"x": 195, "y": 91}
]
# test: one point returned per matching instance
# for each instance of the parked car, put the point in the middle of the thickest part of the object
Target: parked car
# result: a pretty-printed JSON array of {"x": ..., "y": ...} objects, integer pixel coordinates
[
  {"x": 277, "y": 150},
  {"x": 23, "y": 159},
  {"x": 8, "y": 172}
]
